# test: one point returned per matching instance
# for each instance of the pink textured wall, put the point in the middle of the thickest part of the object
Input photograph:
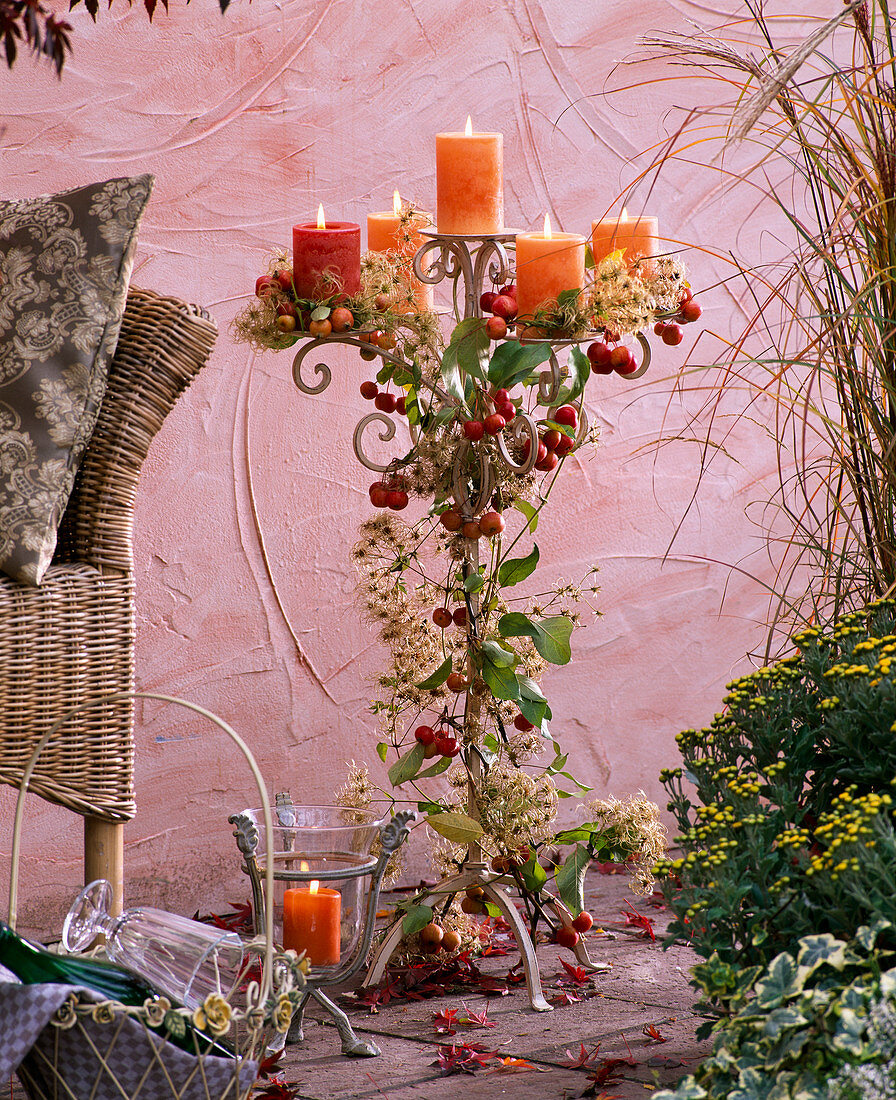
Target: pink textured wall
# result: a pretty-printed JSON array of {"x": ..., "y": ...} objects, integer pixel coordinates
[{"x": 248, "y": 120}]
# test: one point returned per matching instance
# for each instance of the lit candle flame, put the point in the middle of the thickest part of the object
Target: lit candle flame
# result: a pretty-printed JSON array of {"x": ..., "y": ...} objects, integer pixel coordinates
[
  {"x": 313, "y": 886},
  {"x": 303, "y": 866},
  {"x": 548, "y": 235},
  {"x": 321, "y": 224},
  {"x": 468, "y": 131},
  {"x": 396, "y": 203},
  {"x": 623, "y": 217}
]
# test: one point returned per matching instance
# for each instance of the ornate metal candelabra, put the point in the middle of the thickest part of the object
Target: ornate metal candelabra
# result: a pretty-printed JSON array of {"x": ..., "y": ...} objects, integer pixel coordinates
[{"x": 469, "y": 262}]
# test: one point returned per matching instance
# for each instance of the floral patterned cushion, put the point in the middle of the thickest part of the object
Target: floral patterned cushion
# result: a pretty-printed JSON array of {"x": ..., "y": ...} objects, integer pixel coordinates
[{"x": 65, "y": 263}]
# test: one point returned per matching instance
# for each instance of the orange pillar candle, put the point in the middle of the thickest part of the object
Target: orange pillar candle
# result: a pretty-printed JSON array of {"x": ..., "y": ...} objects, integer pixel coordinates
[
  {"x": 547, "y": 264},
  {"x": 311, "y": 923},
  {"x": 384, "y": 234},
  {"x": 470, "y": 182},
  {"x": 326, "y": 258},
  {"x": 637, "y": 236}
]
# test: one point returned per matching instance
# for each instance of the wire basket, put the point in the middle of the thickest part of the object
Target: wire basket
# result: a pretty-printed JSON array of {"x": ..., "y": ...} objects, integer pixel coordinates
[{"x": 70, "y": 1044}]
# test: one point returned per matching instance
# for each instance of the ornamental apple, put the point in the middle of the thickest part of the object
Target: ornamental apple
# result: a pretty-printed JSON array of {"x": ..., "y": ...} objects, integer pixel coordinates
[
  {"x": 491, "y": 524},
  {"x": 567, "y": 416}
]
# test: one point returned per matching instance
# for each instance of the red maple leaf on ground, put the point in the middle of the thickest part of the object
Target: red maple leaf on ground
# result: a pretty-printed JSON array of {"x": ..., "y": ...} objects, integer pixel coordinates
[
  {"x": 609, "y": 1068},
  {"x": 444, "y": 1021},
  {"x": 567, "y": 997},
  {"x": 585, "y": 1059},
  {"x": 651, "y": 1032},
  {"x": 577, "y": 976},
  {"x": 638, "y": 920},
  {"x": 463, "y": 1058},
  {"x": 476, "y": 1019},
  {"x": 512, "y": 1065}
]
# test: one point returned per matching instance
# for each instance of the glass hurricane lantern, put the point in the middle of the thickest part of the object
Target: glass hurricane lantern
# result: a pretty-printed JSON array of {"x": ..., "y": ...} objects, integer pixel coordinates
[{"x": 339, "y": 849}]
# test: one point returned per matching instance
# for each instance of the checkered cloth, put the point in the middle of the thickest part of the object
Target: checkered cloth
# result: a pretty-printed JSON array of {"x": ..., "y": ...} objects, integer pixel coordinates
[{"x": 145, "y": 1067}]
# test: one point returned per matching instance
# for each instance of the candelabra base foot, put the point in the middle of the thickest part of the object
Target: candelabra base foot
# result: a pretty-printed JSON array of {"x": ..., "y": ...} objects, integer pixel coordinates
[
  {"x": 352, "y": 1046},
  {"x": 476, "y": 874}
]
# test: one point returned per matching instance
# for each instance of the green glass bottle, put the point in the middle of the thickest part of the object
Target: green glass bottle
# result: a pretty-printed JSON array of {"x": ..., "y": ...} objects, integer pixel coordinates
[{"x": 33, "y": 964}]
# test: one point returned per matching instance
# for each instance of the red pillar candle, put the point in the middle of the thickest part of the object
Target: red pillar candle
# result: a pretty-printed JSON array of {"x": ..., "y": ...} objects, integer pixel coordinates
[
  {"x": 311, "y": 923},
  {"x": 326, "y": 258}
]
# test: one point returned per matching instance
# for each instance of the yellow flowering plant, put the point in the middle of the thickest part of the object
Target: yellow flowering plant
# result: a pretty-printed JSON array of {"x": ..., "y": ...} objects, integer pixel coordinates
[{"x": 784, "y": 804}]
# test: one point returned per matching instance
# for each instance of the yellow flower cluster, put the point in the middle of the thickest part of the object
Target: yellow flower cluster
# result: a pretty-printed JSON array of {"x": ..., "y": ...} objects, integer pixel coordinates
[{"x": 847, "y": 823}]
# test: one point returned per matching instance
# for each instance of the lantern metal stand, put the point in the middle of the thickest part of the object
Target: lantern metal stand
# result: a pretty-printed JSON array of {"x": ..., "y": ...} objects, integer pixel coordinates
[
  {"x": 469, "y": 260},
  {"x": 314, "y": 838}
]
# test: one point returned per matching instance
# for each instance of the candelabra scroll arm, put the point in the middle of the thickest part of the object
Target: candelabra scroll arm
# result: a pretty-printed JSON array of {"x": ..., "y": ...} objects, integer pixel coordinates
[
  {"x": 320, "y": 369},
  {"x": 549, "y": 381},
  {"x": 645, "y": 358},
  {"x": 387, "y": 433},
  {"x": 492, "y": 263},
  {"x": 523, "y": 425},
  {"x": 468, "y": 505},
  {"x": 454, "y": 260}
]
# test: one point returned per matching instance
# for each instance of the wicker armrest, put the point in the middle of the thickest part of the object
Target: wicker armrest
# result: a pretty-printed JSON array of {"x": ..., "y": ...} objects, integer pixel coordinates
[
  {"x": 71, "y": 638},
  {"x": 163, "y": 345}
]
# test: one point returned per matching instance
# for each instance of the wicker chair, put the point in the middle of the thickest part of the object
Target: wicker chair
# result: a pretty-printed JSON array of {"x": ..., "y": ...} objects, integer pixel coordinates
[{"x": 73, "y": 637}]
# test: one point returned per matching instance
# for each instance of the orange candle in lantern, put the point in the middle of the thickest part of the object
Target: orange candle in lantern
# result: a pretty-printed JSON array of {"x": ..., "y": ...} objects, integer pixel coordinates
[
  {"x": 384, "y": 234},
  {"x": 547, "y": 264},
  {"x": 470, "y": 182},
  {"x": 311, "y": 923},
  {"x": 637, "y": 236}
]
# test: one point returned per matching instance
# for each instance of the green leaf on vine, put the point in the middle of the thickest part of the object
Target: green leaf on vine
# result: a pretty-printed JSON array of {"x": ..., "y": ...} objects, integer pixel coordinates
[
  {"x": 442, "y": 766},
  {"x": 407, "y": 766},
  {"x": 457, "y": 827},
  {"x": 498, "y": 655},
  {"x": 549, "y": 636},
  {"x": 474, "y": 583},
  {"x": 512, "y": 362},
  {"x": 382, "y": 751},
  {"x": 501, "y": 679},
  {"x": 451, "y": 376},
  {"x": 529, "y": 511},
  {"x": 534, "y": 712},
  {"x": 513, "y": 570},
  {"x": 472, "y": 343},
  {"x": 321, "y": 313},
  {"x": 570, "y": 879},
  {"x": 534, "y": 705},
  {"x": 580, "y": 834},
  {"x": 416, "y": 917},
  {"x": 438, "y": 677},
  {"x": 534, "y": 876},
  {"x": 516, "y": 625},
  {"x": 411, "y": 408},
  {"x": 579, "y": 373}
]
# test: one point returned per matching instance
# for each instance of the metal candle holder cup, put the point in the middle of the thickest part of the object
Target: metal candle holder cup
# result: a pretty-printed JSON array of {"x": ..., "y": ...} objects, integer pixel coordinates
[{"x": 336, "y": 848}]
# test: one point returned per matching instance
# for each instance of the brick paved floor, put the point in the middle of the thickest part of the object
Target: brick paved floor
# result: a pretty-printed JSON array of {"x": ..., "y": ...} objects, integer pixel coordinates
[{"x": 643, "y": 987}]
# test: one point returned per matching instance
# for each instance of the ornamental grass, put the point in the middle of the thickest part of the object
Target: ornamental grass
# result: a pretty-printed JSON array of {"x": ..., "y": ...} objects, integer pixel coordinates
[{"x": 815, "y": 125}]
